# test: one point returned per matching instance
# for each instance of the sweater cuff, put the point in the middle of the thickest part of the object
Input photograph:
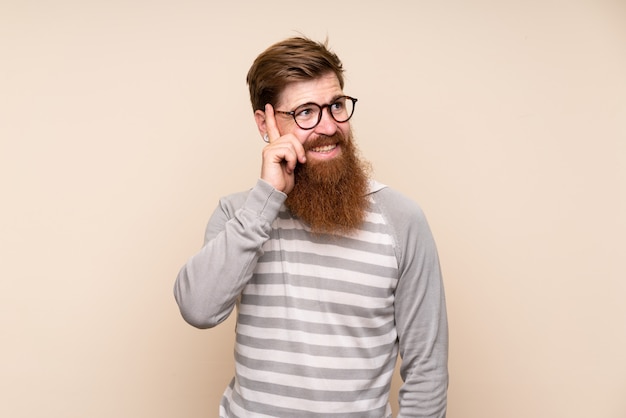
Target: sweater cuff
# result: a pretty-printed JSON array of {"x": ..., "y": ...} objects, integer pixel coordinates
[{"x": 265, "y": 200}]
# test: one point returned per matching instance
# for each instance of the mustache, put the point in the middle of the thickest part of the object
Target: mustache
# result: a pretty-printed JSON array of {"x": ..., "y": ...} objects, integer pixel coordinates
[{"x": 337, "y": 138}]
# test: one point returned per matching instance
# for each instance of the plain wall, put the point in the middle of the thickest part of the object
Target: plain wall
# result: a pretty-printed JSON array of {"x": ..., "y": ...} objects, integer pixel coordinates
[{"x": 123, "y": 122}]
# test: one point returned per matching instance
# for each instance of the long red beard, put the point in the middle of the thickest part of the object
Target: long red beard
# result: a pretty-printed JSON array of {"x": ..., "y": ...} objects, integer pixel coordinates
[{"x": 331, "y": 196}]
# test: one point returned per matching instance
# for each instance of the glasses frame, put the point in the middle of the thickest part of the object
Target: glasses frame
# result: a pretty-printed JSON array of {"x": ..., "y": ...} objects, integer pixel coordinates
[{"x": 322, "y": 107}]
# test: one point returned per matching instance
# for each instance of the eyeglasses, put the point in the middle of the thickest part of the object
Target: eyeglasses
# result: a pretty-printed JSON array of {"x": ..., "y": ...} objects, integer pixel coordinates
[{"x": 309, "y": 115}]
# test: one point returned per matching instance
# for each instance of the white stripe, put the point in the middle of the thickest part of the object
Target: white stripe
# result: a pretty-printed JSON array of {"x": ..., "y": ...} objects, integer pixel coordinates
[
  {"x": 374, "y": 217},
  {"x": 318, "y": 407},
  {"x": 325, "y": 249},
  {"x": 375, "y": 238},
  {"x": 239, "y": 411},
  {"x": 303, "y": 337},
  {"x": 330, "y": 273},
  {"x": 355, "y": 363},
  {"x": 335, "y": 385}
]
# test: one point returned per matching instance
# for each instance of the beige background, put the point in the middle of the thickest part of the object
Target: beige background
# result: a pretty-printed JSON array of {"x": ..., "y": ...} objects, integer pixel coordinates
[{"x": 123, "y": 122}]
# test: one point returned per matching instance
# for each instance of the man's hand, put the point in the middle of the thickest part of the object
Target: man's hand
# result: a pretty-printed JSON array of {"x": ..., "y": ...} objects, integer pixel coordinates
[{"x": 280, "y": 156}]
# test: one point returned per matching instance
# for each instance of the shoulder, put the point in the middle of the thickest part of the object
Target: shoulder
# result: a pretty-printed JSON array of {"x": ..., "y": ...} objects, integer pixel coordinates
[
  {"x": 259, "y": 199},
  {"x": 395, "y": 206},
  {"x": 258, "y": 205},
  {"x": 234, "y": 200},
  {"x": 229, "y": 204},
  {"x": 408, "y": 223}
]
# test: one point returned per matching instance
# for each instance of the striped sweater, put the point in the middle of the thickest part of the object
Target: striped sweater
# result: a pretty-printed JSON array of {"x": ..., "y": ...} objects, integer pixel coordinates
[{"x": 321, "y": 319}]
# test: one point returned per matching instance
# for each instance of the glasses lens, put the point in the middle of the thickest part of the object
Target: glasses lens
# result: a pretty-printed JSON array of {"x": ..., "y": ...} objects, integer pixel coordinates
[
  {"x": 342, "y": 109},
  {"x": 307, "y": 115}
]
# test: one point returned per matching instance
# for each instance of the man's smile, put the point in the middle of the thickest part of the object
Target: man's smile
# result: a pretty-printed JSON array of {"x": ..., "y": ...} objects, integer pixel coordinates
[
  {"x": 324, "y": 148},
  {"x": 323, "y": 152}
]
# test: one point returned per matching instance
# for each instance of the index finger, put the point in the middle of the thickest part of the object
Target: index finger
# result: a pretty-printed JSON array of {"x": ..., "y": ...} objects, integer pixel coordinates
[{"x": 270, "y": 123}]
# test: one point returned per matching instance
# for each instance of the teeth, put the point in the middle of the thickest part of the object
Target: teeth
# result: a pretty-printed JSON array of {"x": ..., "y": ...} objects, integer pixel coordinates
[{"x": 325, "y": 148}]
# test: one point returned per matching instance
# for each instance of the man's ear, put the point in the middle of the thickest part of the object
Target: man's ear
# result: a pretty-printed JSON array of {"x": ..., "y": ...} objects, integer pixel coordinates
[{"x": 259, "y": 118}]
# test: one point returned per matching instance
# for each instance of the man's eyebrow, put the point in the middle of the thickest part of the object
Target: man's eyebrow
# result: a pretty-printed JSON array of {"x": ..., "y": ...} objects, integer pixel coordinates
[{"x": 333, "y": 100}]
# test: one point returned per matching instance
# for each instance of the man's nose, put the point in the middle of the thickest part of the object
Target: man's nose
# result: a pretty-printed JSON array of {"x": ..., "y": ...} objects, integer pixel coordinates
[{"x": 327, "y": 125}]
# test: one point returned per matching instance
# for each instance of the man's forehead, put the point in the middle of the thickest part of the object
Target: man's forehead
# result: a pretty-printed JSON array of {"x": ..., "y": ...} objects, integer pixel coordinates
[{"x": 319, "y": 90}]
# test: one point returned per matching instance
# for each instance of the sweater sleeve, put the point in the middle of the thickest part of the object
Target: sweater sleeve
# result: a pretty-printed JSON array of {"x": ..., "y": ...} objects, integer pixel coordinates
[
  {"x": 208, "y": 285},
  {"x": 420, "y": 312}
]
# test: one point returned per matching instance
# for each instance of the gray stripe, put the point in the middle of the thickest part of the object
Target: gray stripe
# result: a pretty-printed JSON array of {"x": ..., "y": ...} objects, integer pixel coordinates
[
  {"x": 318, "y": 283},
  {"x": 311, "y": 394},
  {"x": 315, "y": 350},
  {"x": 317, "y": 372},
  {"x": 316, "y": 328},
  {"x": 316, "y": 306},
  {"x": 277, "y": 411},
  {"x": 353, "y": 266},
  {"x": 357, "y": 309}
]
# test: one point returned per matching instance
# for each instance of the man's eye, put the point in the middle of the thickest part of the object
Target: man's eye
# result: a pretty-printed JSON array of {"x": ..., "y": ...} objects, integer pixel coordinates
[
  {"x": 305, "y": 112},
  {"x": 337, "y": 106}
]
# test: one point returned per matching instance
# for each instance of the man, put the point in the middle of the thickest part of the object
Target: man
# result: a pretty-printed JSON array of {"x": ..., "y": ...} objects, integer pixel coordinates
[{"x": 333, "y": 274}]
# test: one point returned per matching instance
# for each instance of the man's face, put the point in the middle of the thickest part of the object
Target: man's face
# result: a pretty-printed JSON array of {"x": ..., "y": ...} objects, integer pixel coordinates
[
  {"x": 322, "y": 91},
  {"x": 330, "y": 189}
]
